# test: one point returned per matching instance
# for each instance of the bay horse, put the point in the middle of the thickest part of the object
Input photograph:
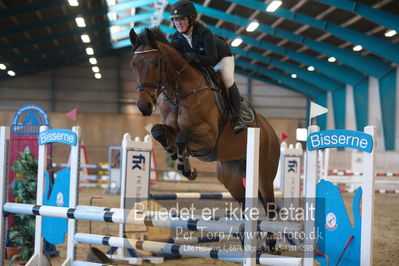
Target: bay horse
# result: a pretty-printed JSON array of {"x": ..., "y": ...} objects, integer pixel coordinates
[{"x": 191, "y": 119}]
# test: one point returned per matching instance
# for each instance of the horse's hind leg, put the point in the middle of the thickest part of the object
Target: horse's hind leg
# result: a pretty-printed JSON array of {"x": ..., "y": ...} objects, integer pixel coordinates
[
  {"x": 183, "y": 163},
  {"x": 230, "y": 174},
  {"x": 164, "y": 135},
  {"x": 268, "y": 162}
]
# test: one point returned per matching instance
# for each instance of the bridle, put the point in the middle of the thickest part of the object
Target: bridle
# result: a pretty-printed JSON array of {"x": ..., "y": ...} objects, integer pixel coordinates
[
  {"x": 141, "y": 87},
  {"x": 160, "y": 86}
]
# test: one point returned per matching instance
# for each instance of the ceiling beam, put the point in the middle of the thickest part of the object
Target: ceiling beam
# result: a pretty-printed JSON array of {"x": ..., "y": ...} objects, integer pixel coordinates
[
  {"x": 69, "y": 50},
  {"x": 73, "y": 57},
  {"x": 298, "y": 85},
  {"x": 378, "y": 16},
  {"x": 339, "y": 72},
  {"x": 54, "y": 35},
  {"x": 129, "y": 5},
  {"x": 366, "y": 64},
  {"x": 316, "y": 79},
  {"x": 53, "y": 21},
  {"x": 371, "y": 43},
  {"x": 131, "y": 19},
  {"x": 30, "y": 8}
]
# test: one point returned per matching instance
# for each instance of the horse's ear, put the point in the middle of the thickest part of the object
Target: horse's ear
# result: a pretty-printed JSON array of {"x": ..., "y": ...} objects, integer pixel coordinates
[
  {"x": 133, "y": 37},
  {"x": 151, "y": 38}
]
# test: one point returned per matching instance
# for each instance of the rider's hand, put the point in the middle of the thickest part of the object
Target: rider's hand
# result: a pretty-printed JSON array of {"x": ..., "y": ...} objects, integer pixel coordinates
[{"x": 190, "y": 57}]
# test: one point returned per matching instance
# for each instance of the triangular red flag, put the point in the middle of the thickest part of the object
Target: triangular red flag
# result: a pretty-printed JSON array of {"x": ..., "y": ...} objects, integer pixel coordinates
[
  {"x": 73, "y": 114},
  {"x": 283, "y": 136}
]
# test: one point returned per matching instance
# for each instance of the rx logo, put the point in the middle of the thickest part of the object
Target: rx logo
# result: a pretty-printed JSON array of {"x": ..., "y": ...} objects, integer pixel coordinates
[
  {"x": 138, "y": 162},
  {"x": 292, "y": 166}
]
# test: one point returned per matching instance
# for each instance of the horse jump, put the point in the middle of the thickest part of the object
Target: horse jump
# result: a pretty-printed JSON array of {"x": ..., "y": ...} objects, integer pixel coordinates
[
  {"x": 310, "y": 185},
  {"x": 73, "y": 210}
]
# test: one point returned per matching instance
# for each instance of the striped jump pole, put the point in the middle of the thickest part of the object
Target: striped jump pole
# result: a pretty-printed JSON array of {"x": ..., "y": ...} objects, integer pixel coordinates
[
  {"x": 120, "y": 216},
  {"x": 200, "y": 196},
  {"x": 184, "y": 250}
]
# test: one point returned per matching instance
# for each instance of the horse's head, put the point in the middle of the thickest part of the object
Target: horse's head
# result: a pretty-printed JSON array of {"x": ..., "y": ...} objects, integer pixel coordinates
[{"x": 147, "y": 63}]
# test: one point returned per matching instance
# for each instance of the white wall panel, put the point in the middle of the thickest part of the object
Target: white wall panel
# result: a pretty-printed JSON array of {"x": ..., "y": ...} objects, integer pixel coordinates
[
  {"x": 350, "y": 118},
  {"x": 375, "y": 112}
]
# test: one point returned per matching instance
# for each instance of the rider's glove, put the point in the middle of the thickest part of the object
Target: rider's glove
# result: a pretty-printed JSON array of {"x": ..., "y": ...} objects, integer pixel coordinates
[{"x": 191, "y": 57}]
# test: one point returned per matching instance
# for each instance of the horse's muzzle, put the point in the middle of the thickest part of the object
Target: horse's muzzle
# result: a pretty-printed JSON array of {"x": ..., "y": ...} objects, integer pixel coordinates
[{"x": 146, "y": 108}]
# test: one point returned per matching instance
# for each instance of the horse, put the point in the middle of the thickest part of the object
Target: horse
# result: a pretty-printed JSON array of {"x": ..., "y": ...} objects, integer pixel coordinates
[{"x": 192, "y": 123}]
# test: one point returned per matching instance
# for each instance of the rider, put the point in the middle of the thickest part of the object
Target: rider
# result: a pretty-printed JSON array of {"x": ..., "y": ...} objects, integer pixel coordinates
[{"x": 200, "y": 45}]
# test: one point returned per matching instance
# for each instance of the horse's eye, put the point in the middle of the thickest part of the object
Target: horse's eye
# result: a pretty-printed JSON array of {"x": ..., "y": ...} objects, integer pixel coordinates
[{"x": 156, "y": 64}]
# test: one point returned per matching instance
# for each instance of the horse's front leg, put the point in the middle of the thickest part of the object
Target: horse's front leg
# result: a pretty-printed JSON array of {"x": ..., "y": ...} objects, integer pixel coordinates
[
  {"x": 165, "y": 135},
  {"x": 183, "y": 163}
]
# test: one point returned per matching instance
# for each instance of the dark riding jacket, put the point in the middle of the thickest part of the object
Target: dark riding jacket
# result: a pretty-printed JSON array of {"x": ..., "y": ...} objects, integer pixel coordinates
[{"x": 208, "y": 49}]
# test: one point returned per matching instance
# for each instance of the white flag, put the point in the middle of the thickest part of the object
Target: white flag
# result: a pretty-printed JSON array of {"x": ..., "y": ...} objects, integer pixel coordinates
[{"x": 316, "y": 110}]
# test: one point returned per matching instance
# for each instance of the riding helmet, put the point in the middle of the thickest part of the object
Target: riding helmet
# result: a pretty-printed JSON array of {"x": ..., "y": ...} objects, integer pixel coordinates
[{"x": 183, "y": 8}]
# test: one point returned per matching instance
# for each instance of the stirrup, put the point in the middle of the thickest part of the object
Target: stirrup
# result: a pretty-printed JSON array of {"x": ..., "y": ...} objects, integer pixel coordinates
[{"x": 238, "y": 126}]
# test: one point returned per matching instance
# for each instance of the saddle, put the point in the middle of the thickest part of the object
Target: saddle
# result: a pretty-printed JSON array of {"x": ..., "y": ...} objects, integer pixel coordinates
[{"x": 221, "y": 98}]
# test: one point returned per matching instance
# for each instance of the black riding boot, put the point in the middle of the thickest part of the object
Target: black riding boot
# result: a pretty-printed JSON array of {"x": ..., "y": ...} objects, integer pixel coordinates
[{"x": 235, "y": 103}]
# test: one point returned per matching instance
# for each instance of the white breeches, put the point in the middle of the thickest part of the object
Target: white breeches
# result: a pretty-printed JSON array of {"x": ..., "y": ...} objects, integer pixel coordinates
[{"x": 226, "y": 68}]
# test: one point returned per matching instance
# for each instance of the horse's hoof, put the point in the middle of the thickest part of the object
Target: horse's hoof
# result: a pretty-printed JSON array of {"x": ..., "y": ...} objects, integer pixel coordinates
[
  {"x": 190, "y": 175},
  {"x": 193, "y": 174},
  {"x": 271, "y": 243},
  {"x": 180, "y": 167}
]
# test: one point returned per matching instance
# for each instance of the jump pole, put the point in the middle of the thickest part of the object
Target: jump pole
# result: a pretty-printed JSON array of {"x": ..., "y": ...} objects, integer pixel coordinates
[
  {"x": 251, "y": 193},
  {"x": 366, "y": 246},
  {"x": 184, "y": 250},
  {"x": 310, "y": 193}
]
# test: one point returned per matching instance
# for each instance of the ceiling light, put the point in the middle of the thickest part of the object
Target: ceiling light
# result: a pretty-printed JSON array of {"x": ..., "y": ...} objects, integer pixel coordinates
[
  {"x": 93, "y": 60},
  {"x": 294, "y": 76},
  {"x": 390, "y": 33},
  {"x": 73, "y": 2},
  {"x": 252, "y": 26},
  {"x": 111, "y": 2},
  {"x": 95, "y": 69},
  {"x": 11, "y": 73},
  {"x": 89, "y": 51},
  {"x": 80, "y": 22},
  {"x": 85, "y": 38},
  {"x": 3, "y": 67},
  {"x": 112, "y": 16},
  {"x": 332, "y": 59},
  {"x": 236, "y": 42},
  {"x": 310, "y": 68},
  {"x": 97, "y": 75},
  {"x": 273, "y": 6},
  {"x": 357, "y": 48}
]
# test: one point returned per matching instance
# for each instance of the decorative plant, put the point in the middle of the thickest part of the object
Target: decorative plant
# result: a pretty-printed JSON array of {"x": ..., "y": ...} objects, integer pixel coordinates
[{"x": 22, "y": 232}]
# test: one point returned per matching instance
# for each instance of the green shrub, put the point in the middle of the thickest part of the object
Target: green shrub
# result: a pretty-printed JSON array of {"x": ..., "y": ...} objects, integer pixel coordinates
[{"x": 22, "y": 232}]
